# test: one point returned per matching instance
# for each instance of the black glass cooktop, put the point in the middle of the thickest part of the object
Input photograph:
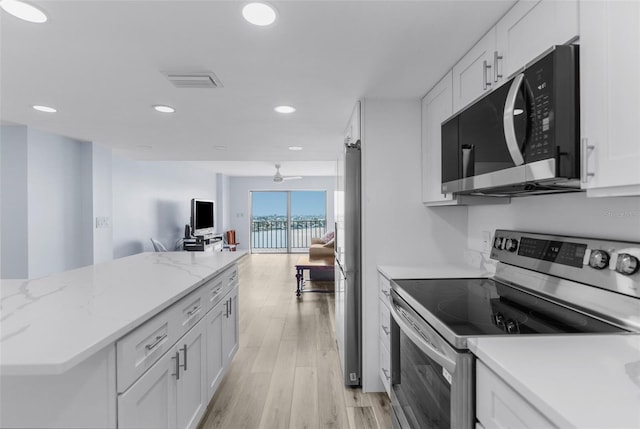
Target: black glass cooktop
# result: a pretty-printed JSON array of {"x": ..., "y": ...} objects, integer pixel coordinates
[{"x": 473, "y": 307}]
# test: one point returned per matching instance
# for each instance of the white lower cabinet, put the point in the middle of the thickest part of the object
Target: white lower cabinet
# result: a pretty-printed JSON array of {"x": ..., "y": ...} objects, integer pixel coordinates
[
  {"x": 215, "y": 354},
  {"x": 230, "y": 329},
  {"x": 499, "y": 406},
  {"x": 173, "y": 393},
  {"x": 384, "y": 333},
  {"x": 151, "y": 401}
]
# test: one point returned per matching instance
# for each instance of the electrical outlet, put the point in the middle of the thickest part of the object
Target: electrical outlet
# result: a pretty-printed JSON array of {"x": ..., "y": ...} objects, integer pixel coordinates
[
  {"x": 103, "y": 222},
  {"x": 486, "y": 241}
]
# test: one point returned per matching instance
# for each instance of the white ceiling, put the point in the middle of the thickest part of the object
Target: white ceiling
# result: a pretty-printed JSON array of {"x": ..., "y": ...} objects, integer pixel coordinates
[{"x": 100, "y": 64}]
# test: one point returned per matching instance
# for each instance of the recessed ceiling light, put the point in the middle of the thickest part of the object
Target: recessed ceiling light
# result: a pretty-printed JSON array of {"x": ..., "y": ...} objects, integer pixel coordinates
[
  {"x": 164, "y": 109},
  {"x": 284, "y": 109},
  {"x": 220, "y": 147},
  {"x": 258, "y": 13},
  {"x": 295, "y": 148},
  {"x": 45, "y": 109},
  {"x": 23, "y": 11}
]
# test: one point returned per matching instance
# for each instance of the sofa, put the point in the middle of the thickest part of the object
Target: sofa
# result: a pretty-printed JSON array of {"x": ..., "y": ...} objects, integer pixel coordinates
[{"x": 320, "y": 248}]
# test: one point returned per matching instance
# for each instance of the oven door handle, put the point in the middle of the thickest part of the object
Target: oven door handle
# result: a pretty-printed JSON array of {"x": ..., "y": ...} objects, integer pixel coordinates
[{"x": 421, "y": 342}]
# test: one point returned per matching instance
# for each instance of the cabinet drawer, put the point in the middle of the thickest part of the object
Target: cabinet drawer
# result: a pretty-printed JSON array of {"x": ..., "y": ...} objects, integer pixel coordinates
[
  {"x": 498, "y": 405},
  {"x": 190, "y": 309},
  {"x": 231, "y": 277},
  {"x": 141, "y": 348},
  {"x": 384, "y": 285},
  {"x": 385, "y": 328},
  {"x": 214, "y": 291},
  {"x": 385, "y": 368}
]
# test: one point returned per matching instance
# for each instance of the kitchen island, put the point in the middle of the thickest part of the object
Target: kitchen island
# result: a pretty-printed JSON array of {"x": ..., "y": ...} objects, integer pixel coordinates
[{"x": 75, "y": 345}]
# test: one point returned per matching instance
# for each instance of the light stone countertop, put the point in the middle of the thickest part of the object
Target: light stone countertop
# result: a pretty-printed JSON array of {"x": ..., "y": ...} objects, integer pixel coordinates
[
  {"x": 576, "y": 381},
  {"x": 50, "y": 324},
  {"x": 396, "y": 272}
]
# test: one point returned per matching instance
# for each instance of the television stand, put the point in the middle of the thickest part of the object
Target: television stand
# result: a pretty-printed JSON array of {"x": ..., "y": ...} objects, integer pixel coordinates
[{"x": 202, "y": 243}]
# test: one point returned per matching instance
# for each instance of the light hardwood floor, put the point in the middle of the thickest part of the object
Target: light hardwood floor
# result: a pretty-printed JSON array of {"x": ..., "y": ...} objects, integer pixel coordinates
[{"x": 287, "y": 373}]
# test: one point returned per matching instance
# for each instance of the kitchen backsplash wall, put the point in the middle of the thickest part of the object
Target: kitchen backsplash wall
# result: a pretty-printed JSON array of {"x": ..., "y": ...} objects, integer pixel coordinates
[{"x": 567, "y": 214}]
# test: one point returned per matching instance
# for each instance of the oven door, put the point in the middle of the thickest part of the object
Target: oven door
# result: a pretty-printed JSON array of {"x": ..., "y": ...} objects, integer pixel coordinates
[{"x": 432, "y": 383}]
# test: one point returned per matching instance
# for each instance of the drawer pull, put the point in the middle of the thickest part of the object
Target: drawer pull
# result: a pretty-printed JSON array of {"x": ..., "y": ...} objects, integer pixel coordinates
[
  {"x": 386, "y": 330},
  {"x": 386, "y": 374},
  {"x": 177, "y": 358},
  {"x": 184, "y": 350},
  {"x": 157, "y": 341},
  {"x": 193, "y": 311},
  {"x": 230, "y": 305}
]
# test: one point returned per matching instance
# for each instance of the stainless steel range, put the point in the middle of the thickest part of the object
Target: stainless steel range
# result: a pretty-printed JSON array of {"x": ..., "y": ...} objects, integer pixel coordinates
[{"x": 543, "y": 285}]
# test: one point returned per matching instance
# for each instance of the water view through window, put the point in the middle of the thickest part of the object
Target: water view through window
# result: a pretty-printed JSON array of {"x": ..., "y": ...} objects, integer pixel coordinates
[{"x": 285, "y": 221}]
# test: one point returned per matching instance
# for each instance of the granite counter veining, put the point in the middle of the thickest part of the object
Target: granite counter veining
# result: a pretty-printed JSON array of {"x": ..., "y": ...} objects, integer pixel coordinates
[
  {"x": 576, "y": 381},
  {"x": 50, "y": 324}
]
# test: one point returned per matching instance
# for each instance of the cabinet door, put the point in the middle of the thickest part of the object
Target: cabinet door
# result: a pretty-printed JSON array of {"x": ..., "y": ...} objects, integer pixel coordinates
[
  {"x": 437, "y": 106},
  {"x": 610, "y": 96},
  {"x": 151, "y": 401},
  {"x": 472, "y": 74},
  {"x": 531, "y": 27},
  {"x": 498, "y": 406},
  {"x": 215, "y": 357},
  {"x": 230, "y": 328},
  {"x": 191, "y": 396}
]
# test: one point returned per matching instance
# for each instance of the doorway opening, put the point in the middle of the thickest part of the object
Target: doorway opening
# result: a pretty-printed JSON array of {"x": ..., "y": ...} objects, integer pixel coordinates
[{"x": 285, "y": 221}]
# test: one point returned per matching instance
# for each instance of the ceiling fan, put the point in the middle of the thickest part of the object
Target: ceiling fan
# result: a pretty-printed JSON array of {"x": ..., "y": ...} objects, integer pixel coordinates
[{"x": 279, "y": 178}]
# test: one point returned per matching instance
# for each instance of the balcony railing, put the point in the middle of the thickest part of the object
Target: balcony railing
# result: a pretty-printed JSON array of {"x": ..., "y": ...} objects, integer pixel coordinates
[{"x": 277, "y": 235}]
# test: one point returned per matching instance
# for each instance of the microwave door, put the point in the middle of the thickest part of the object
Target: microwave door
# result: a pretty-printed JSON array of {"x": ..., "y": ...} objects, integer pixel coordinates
[{"x": 518, "y": 113}]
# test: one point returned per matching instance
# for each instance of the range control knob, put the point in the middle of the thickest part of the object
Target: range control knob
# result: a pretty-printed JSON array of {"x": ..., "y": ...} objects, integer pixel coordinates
[
  {"x": 599, "y": 259},
  {"x": 512, "y": 327},
  {"x": 511, "y": 244},
  {"x": 497, "y": 243},
  {"x": 627, "y": 264}
]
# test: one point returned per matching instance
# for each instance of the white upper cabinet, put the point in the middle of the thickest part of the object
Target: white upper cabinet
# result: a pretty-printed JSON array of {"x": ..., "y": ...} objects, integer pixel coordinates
[
  {"x": 526, "y": 31},
  {"x": 530, "y": 28},
  {"x": 610, "y": 97},
  {"x": 472, "y": 74},
  {"x": 437, "y": 106}
]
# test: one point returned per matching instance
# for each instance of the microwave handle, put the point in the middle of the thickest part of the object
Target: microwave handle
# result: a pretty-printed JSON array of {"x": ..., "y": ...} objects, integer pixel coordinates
[{"x": 509, "y": 128}]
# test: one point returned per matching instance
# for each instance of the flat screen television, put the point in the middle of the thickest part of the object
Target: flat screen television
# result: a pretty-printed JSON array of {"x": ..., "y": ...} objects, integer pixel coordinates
[{"x": 203, "y": 217}]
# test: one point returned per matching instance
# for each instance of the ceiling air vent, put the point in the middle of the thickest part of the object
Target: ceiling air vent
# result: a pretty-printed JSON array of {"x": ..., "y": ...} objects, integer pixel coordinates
[{"x": 194, "y": 80}]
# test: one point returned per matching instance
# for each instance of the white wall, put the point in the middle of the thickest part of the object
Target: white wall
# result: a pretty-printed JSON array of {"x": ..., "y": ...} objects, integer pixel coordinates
[
  {"x": 239, "y": 199},
  {"x": 565, "y": 214},
  {"x": 13, "y": 202},
  {"x": 397, "y": 229},
  {"x": 101, "y": 203},
  {"x": 152, "y": 199}
]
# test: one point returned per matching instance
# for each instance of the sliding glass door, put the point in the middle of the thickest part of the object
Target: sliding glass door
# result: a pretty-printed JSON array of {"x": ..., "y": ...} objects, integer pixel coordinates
[{"x": 285, "y": 221}]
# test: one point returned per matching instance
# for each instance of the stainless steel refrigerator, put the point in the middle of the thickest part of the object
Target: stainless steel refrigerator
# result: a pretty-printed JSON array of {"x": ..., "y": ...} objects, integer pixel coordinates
[{"x": 348, "y": 274}]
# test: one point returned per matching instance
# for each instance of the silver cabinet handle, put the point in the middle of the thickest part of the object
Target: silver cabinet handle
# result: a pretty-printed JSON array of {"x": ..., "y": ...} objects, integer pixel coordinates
[
  {"x": 184, "y": 350},
  {"x": 496, "y": 57},
  {"x": 194, "y": 311},
  {"x": 230, "y": 306},
  {"x": 386, "y": 330},
  {"x": 386, "y": 373},
  {"x": 584, "y": 153},
  {"x": 509, "y": 128},
  {"x": 485, "y": 81},
  {"x": 177, "y": 358},
  {"x": 157, "y": 341},
  {"x": 226, "y": 309}
]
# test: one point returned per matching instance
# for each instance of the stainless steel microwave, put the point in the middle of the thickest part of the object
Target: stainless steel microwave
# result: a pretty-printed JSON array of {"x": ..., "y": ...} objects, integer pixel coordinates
[{"x": 522, "y": 137}]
